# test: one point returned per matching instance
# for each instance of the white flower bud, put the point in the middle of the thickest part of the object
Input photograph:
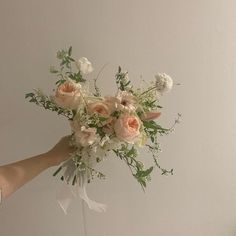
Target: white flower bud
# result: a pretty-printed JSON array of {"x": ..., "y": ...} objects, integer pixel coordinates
[
  {"x": 164, "y": 83},
  {"x": 84, "y": 65}
]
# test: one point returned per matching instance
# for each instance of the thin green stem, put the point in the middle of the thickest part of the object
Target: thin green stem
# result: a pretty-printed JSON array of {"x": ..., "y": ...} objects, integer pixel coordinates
[{"x": 148, "y": 91}]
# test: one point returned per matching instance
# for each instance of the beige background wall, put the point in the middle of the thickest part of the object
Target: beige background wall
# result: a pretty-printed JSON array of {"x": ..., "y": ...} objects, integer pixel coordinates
[{"x": 194, "y": 41}]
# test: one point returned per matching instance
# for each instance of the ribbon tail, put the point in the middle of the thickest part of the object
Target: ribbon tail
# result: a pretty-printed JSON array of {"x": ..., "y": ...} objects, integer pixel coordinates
[
  {"x": 81, "y": 190},
  {"x": 64, "y": 197}
]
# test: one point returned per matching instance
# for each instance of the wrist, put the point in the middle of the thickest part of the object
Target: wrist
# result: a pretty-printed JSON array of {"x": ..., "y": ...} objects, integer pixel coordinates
[{"x": 50, "y": 158}]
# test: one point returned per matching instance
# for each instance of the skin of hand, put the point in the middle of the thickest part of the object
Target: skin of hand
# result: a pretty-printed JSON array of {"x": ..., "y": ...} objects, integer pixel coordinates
[
  {"x": 60, "y": 152},
  {"x": 15, "y": 175}
]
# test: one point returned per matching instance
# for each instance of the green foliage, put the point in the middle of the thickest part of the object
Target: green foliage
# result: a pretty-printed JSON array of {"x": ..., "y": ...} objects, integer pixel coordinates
[
  {"x": 65, "y": 69},
  {"x": 148, "y": 99},
  {"x": 155, "y": 149},
  {"x": 152, "y": 129},
  {"x": 98, "y": 122},
  {"x": 44, "y": 101},
  {"x": 116, "y": 114},
  {"x": 65, "y": 57},
  {"x": 150, "y": 104},
  {"x": 122, "y": 80},
  {"x": 128, "y": 155}
]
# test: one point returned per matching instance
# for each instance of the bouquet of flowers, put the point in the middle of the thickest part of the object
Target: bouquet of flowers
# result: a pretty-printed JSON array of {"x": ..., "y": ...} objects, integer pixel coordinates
[{"x": 119, "y": 124}]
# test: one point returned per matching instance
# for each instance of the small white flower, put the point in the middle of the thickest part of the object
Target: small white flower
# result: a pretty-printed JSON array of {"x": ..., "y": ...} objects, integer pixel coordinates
[
  {"x": 84, "y": 65},
  {"x": 164, "y": 82},
  {"x": 104, "y": 140}
]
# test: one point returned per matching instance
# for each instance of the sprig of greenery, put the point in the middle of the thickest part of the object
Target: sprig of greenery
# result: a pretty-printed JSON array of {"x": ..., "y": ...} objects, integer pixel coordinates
[
  {"x": 96, "y": 88},
  {"x": 148, "y": 100},
  {"x": 65, "y": 68},
  {"x": 96, "y": 121},
  {"x": 65, "y": 57},
  {"x": 128, "y": 155},
  {"x": 149, "y": 103},
  {"x": 155, "y": 149},
  {"x": 152, "y": 129},
  {"x": 122, "y": 81},
  {"x": 44, "y": 101}
]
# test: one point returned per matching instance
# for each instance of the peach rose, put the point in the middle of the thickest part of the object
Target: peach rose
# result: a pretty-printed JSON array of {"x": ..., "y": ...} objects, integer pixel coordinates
[
  {"x": 127, "y": 128},
  {"x": 86, "y": 136},
  {"x": 152, "y": 115},
  {"x": 101, "y": 108},
  {"x": 68, "y": 95}
]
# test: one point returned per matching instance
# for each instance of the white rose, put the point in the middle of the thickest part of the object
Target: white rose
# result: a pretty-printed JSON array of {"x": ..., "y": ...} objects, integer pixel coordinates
[
  {"x": 86, "y": 136},
  {"x": 164, "y": 83},
  {"x": 84, "y": 65}
]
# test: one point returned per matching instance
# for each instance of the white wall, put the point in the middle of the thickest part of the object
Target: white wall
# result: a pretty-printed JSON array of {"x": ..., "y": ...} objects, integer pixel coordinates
[{"x": 194, "y": 41}]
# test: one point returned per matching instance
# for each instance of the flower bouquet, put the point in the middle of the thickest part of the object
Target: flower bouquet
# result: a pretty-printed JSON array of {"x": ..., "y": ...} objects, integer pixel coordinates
[{"x": 100, "y": 125}]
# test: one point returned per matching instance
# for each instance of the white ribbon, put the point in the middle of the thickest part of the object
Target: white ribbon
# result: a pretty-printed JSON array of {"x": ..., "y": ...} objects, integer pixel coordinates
[
  {"x": 68, "y": 192},
  {"x": 96, "y": 206},
  {"x": 65, "y": 196}
]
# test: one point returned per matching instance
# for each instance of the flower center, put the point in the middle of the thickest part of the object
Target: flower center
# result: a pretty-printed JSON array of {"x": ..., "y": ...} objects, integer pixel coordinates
[
  {"x": 124, "y": 103},
  {"x": 133, "y": 123},
  {"x": 68, "y": 88}
]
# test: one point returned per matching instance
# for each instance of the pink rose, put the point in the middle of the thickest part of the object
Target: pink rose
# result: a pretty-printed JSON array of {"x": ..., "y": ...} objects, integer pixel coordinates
[
  {"x": 152, "y": 115},
  {"x": 101, "y": 108},
  {"x": 127, "y": 128},
  {"x": 86, "y": 136},
  {"x": 68, "y": 95}
]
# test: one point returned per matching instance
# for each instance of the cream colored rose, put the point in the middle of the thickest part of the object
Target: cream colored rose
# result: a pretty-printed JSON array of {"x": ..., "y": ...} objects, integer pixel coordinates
[
  {"x": 100, "y": 108},
  {"x": 86, "y": 136},
  {"x": 124, "y": 101},
  {"x": 68, "y": 95},
  {"x": 127, "y": 128},
  {"x": 84, "y": 65},
  {"x": 127, "y": 101}
]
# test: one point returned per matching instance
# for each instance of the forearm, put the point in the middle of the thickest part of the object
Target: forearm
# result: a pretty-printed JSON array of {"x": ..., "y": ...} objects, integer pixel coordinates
[{"x": 13, "y": 176}]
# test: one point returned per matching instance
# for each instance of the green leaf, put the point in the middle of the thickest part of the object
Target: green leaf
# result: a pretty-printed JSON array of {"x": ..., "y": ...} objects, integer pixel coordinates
[
  {"x": 70, "y": 50},
  {"x": 29, "y": 95},
  {"x": 53, "y": 70},
  {"x": 147, "y": 172},
  {"x": 32, "y": 100},
  {"x": 102, "y": 119},
  {"x": 70, "y": 59},
  {"x": 150, "y": 124},
  {"x": 57, "y": 171}
]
